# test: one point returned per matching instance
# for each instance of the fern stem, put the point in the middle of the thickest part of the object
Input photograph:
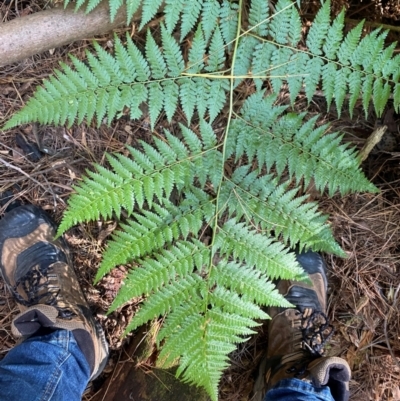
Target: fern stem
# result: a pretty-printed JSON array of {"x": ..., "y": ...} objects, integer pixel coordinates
[{"x": 230, "y": 114}]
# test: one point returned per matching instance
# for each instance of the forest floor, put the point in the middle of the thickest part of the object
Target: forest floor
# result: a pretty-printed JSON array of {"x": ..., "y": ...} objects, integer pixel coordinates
[{"x": 364, "y": 288}]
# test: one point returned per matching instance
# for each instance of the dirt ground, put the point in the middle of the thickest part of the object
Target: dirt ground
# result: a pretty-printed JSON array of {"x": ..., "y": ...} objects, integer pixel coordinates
[{"x": 364, "y": 289}]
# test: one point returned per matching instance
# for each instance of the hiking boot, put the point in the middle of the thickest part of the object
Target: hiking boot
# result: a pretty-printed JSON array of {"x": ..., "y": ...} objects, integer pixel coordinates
[
  {"x": 37, "y": 269},
  {"x": 297, "y": 336}
]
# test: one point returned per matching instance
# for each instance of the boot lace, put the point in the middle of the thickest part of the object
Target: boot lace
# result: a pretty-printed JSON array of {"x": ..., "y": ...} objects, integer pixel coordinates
[
  {"x": 316, "y": 331},
  {"x": 35, "y": 284}
]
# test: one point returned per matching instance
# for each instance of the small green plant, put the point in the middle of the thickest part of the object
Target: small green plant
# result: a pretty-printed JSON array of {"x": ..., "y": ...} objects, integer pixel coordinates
[{"x": 212, "y": 218}]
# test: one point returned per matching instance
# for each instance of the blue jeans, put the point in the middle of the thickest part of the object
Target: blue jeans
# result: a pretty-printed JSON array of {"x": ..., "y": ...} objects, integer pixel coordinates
[
  {"x": 52, "y": 367},
  {"x": 297, "y": 390},
  {"x": 44, "y": 367}
]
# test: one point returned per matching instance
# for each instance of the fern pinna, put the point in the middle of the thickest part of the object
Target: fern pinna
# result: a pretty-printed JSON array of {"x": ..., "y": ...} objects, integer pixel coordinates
[
  {"x": 211, "y": 220},
  {"x": 339, "y": 64}
]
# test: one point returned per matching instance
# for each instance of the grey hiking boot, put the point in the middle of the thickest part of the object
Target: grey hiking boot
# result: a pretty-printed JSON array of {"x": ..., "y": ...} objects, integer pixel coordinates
[
  {"x": 297, "y": 336},
  {"x": 37, "y": 269}
]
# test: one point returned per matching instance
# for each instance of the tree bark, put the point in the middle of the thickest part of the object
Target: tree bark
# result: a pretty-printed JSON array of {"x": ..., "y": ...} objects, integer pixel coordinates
[{"x": 36, "y": 33}]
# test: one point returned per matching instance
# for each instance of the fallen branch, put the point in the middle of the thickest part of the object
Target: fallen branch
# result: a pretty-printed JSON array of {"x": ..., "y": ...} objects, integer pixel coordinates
[{"x": 36, "y": 33}]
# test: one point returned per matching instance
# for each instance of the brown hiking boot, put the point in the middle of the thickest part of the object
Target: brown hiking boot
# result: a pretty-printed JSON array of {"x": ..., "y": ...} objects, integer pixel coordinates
[
  {"x": 37, "y": 269},
  {"x": 297, "y": 336}
]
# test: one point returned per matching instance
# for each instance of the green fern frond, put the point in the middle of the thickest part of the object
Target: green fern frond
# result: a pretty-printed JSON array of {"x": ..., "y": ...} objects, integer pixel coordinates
[
  {"x": 153, "y": 172},
  {"x": 197, "y": 52},
  {"x": 258, "y": 17},
  {"x": 250, "y": 283},
  {"x": 173, "y": 9},
  {"x": 142, "y": 236},
  {"x": 228, "y": 22},
  {"x": 216, "y": 59},
  {"x": 190, "y": 14},
  {"x": 128, "y": 79},
  {"x": 319, "y": 29},
  {"x": 278, "y": 210},
  {"x": 170, "y": 264},
  {"x": 256, "y": 249},
  {"x": 279, "y": 27},
  {"x": 207, "y": 219},
  {"x": 209, "y": 17},
  {"x": 329, "y": 62},
  {"x": 244, "y": 56},
  {"x": 286, "y": 141},
  {"x": 149, "y": 10},
  {"x": 174, "y": 267}
]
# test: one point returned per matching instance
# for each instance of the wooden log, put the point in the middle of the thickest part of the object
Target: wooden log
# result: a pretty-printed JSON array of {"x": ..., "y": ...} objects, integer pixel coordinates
[{"x": 36, "y": 33}]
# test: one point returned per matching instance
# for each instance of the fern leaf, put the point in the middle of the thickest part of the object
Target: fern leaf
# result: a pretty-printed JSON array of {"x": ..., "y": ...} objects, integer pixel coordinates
[
  {"x": 172, "y": 53},
  {"x": 383, "y": 59},
  {"x": 209, "y": 17},
  {"x": 217, "y": 97},
  {"x": 328, "y": 81},
  {"x": 277, "y": 209},
  {"x": 243, "y": 57},
  {"x": 246, "y": 180},
  {"x": 139, "y": 62},
  {"x": 124, "y": 62},
  {"x": 172, "y": 11},
  {"x": 171, "y": 96},
  {"x": 355, "y": 80},
  {"x": 381, "y": 92},
  {"x": 169, "y": 296},
  {"x": 169, "y": 165},
  {"x": 312, "y": 78},
  {"x": 279, "y": 65},
  {"x": 349, "y": 44},
  {"x": 137, "y": 95},
  {"x": 367, "y": 91},
  {"x": 305, "y": 147},
  {"x": 319, "y": 29},
  {"x": 295, "y": 33},
  {"x": 279, "y": 26},
  {"x": 296, "y": 73},
  {"x": 228, "y": 22},
  {"x": 114, "y": 7},
  {"x": 136, "y": 241},
  {"x": 248, "y": 282},
  {"x": 368, "y": 50},
  {"x": 258, "y": 17},
  {"x": 392, "y": 69},
  {"x": 256, "y": 250},
  {"x": 190, "y": 14},
  {"x": 149, "y": 10},
  {"x": 261, "y": 62},
  {"x": 197, "y": 52},
  {"x": 91, "y": 5},
  {"x": 334, "y": 36},
  {"x": 155, "y": 58},
  {"x": 187, "y": 94},
  {"x": 131, "y": 7},
  {"x": 233, "y": 303},
  {"x": 177, "y": 261},
  {"x": 175, "y": 320},
  {"x": 156, "y": 101},
  {"x": 216, "y": 57},
  {"x": 341, "y": 87},
  {"x": 203, "y": 92}
]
